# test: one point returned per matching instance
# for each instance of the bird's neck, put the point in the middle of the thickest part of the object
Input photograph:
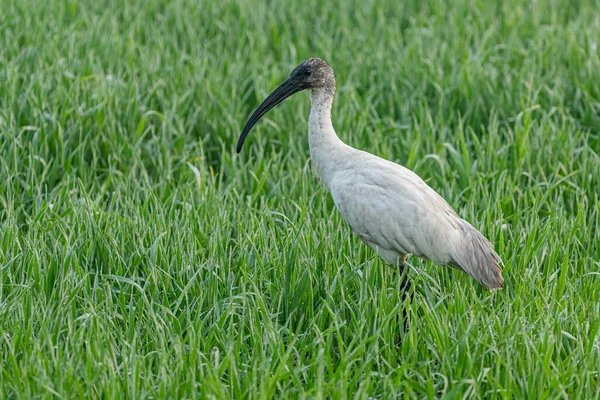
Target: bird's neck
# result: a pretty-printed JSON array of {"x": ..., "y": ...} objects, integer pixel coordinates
[{"x": 325, "y": 146}]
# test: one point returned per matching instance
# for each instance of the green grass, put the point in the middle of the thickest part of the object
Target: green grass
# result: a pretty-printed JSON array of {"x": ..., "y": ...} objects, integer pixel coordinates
[{"x": 140, "y": 257}]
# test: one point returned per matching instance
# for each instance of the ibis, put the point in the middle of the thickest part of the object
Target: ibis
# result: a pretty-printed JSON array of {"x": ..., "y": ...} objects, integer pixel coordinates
[{"x": 388, "y": 206}]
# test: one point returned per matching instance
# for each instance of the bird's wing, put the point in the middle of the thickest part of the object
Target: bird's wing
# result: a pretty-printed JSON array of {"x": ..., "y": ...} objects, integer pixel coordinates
[{"x": 391, "y": 207}]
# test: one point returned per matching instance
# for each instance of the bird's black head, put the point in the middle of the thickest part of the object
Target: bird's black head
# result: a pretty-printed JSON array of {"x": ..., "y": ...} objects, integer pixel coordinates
[{"x": 313, "y": 73}]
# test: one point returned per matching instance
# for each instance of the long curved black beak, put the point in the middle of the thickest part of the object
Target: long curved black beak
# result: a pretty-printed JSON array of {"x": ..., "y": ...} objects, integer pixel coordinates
[{"x": 290, "y": 86}]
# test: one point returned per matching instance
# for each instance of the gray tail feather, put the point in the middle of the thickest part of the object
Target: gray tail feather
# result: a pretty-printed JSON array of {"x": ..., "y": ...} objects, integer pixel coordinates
[{"x": 476, "y": 256}]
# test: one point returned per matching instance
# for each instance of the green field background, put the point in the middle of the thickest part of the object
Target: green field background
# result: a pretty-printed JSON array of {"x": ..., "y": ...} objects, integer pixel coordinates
[{"x": 140, "y": 257}]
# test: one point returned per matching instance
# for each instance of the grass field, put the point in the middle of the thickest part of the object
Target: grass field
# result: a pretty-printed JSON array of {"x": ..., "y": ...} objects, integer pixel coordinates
[{"x": 140, "y": 257}]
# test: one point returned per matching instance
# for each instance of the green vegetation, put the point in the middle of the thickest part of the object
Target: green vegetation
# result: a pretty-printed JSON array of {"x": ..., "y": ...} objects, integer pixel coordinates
[{"x": 141, "y": 257}]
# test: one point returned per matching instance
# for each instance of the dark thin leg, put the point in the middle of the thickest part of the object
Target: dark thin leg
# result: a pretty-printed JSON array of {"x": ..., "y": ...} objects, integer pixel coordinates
[{"x": 406, "y": 298}]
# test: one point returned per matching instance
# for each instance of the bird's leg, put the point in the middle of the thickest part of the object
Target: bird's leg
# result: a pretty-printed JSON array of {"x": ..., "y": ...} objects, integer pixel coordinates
[
  {"x": 405, "y": 287},
  {"x": 405, "y": 283}
]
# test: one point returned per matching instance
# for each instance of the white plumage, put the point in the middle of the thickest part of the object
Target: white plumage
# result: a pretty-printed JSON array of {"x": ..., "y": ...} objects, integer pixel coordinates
[{"x": 388, "y": 206}]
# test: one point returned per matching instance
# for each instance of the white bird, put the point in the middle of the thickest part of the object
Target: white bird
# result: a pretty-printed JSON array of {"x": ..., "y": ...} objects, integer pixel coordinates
[{"x": 388, "y": 206}]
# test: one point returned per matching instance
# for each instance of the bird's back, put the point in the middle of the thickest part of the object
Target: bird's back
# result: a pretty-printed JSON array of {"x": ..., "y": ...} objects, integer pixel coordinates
[{"x": 394, "y": 211}]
